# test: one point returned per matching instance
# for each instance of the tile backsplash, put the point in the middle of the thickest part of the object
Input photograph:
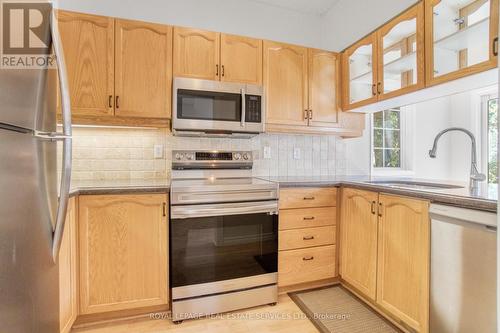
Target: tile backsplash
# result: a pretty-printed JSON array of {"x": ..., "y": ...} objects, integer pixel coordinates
[{"x": 123, "y": 153}]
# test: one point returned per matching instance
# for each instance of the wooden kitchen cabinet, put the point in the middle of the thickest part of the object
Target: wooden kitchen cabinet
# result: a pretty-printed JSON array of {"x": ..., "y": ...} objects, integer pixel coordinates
[
  {"x": 68, "y": 270},
  {"x": 88, "y": 43},
  {"x": 401, "y": 54},
  {"x": 461, "y": 38},
  {"x": 196, "y": 54},
  {"x": 359, "y": 73},
  {"x": 307, "y": 236},
  {"x": 143, "y": 69},
  {"x": 324, "y": 88},
  {"x": 123, "y": 244},
  {"x": 241, "y": 59},
  {"x": 119, "y": 71},
  {"x": 403, "y": 260},
  {"x": 359, "y": 240},
  {"x": 286, "y": 84}
]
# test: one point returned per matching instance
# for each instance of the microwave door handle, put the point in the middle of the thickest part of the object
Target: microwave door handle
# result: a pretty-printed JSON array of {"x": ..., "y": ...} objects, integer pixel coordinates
[{"x": 243, "y": 107}]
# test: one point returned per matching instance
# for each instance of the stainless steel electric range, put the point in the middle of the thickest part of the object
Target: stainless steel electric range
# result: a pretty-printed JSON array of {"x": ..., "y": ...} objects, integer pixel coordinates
[{"x": 223, "y": 234}]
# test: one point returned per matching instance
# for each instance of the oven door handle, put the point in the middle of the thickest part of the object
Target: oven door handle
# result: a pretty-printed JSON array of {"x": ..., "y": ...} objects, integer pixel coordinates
[
  {"x": 240, "y": 208},
  {"x": 243, "y": 108}
]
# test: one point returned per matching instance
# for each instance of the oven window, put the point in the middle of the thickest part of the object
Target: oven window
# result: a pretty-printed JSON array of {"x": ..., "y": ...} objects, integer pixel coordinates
[
  {"x": 209, "y": 249},
  {"x": 206, "y": 105}
]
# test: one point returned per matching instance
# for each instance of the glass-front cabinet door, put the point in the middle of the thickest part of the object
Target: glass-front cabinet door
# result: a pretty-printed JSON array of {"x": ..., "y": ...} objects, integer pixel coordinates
[
  {"x": 461, "y": 38},
  {"x": 401, "y": 55},
  {"x": 360, "y": 74}
]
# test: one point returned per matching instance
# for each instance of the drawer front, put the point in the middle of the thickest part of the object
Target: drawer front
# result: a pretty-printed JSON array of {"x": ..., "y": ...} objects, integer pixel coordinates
[
  {"x": 307, "y": 217},
  {"x": 306, "y": 265},
  {"x": 307, "y": 237},
  {"x": 308, "y": 197}
]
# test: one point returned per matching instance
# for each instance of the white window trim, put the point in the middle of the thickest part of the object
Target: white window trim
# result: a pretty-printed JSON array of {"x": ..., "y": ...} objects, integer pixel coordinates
[
  {"x": 484, "y": 96},
  {"x": 407, "y": 146}
]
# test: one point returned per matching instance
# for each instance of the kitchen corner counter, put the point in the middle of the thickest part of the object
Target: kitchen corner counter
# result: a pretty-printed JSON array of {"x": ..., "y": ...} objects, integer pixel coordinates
[
  {"x": 129, "y": 186},
  {"x": 485, "y": 199}
]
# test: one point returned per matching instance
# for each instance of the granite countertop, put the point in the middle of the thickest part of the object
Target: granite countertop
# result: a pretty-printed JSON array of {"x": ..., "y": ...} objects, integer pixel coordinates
[
  {"x": 92, "y": 187},
  {"x": 485, "y": 199}
]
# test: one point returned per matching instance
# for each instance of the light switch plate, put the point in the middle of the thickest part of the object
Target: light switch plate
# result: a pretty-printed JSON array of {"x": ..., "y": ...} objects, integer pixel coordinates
[
  {"x": 158, "y": 151},
  {"x": 267, "y": 152},
  {"x": 296, "y": 153}
]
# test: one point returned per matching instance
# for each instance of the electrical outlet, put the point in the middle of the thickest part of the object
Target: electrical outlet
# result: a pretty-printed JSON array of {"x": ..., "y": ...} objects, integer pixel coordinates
[
  {"x": 296, "y": 153},
  {"x": 267, "y": 152},
  {"x": 158, "y": 151}
]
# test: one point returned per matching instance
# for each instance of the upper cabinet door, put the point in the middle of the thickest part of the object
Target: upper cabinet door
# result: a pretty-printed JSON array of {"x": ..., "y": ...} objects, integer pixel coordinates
[
  {"x": 241, "y": 59},
  {"x": 143, "y": 69},
  {"x": 461, "y": 38},
  {"x": 323, "y": 88},
  {"x": 286, "y": 84},
  {"x": 88, "y": 43},
  {"x": 401, "y": 55},
  {"x": 359, "y": 70},
  {"x": 196, "y": 54}
]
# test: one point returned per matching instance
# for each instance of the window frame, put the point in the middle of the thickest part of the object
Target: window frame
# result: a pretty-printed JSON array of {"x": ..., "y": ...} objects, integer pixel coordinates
[
  {"x": 485, "y": 97},
  {"x": 406, "y": 145}
]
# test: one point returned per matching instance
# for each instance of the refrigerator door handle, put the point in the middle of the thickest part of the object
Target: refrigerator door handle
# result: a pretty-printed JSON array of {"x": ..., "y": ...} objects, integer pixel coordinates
[{"x": 65, "y": 137}]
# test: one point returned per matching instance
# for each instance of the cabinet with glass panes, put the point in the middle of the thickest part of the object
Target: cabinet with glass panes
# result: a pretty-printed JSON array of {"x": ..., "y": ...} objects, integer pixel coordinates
[{"x": 461, "y": 38}]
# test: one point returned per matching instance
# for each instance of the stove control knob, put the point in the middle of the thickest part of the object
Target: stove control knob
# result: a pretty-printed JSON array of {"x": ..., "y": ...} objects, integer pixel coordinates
[
  {"x": 237, "y": 156},
  {"x": 179, "y": 156},
  {"x": 246, "y": 156},
  {"x": 190, "y": 157}
]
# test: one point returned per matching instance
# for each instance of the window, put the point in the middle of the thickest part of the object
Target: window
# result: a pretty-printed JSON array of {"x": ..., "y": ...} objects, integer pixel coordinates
[
  {"x": 387, "y": 139},
  {"x": 492, "y": 110}
]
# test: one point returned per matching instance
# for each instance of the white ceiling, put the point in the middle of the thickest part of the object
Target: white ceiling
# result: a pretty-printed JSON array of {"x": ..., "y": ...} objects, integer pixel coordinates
[{"x": 316, "y": 7}]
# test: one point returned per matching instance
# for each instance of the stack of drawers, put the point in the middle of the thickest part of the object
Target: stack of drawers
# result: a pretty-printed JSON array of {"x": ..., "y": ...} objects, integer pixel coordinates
[{"x": 307, "y": 235}]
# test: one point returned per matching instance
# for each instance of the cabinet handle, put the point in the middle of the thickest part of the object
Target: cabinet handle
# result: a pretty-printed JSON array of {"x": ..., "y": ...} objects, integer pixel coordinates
[
  {"x": 495, "y": 46},
  {"x": 308, "y": 198},
  {"x": 310, "y": 218},
  {"x": 110, "y": 101},
  {"x": 380, "y": 209},
  {"x": 216, "y": 70},
  {"x": 374, "y": 207},
  {"x": 306, "y": 114},
  {"x": 374, "y": 92},
  {"x": 164, "y": 209},
  {"x": 310, "y": 114},
  {"x": 308, "y": 258},
  {"x": 308, "y": 237},
  {"x": 379, "y": 86},
  {"x": 117, "y": 99},
  {"x": 222, "y": 71}
]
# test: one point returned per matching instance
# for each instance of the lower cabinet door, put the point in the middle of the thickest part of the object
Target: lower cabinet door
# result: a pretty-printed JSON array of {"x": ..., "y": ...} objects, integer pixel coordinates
[
  {"x": 123, "y": 252},
  {"x": 403, "y": 262},
  {"x": 68, "y": 293},
  {"x": 359, "y": 240},
  {"x": 306, "y": 265}
]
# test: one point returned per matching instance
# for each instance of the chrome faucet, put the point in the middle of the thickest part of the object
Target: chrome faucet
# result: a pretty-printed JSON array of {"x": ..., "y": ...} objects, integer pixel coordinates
[{"x": 475, "y": 175}]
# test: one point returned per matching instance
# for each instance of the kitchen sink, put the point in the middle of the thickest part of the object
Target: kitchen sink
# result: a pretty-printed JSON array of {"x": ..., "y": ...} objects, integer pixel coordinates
[{"x": 415, "y": 185}]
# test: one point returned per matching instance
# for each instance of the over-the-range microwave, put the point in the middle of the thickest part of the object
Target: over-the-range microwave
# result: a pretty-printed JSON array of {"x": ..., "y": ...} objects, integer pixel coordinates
[{"x": 214, "y": 108}]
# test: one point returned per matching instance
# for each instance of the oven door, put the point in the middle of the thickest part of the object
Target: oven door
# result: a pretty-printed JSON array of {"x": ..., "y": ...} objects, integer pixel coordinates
[
  {"x": 219, "y": 107},
  {"x": 212, "y": 243}
]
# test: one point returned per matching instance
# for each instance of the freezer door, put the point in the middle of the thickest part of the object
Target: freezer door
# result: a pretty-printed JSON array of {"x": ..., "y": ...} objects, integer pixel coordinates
[{"x": 29, "y": 279}]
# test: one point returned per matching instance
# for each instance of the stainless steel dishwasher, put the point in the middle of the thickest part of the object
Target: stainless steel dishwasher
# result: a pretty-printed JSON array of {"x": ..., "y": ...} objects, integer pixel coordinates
[{"x": 463, "y": 270}]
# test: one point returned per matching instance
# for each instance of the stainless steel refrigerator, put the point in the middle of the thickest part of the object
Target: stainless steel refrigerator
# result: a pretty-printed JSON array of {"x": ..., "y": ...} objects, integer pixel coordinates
[{"x": 33, "y": 200}]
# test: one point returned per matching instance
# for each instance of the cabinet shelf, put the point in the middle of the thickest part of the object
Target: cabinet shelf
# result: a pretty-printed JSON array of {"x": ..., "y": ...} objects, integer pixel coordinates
[
  {"x": 406, "y": 63},
  {"x": 363, "y": 78},
  {"x": 465, "y": 38}
]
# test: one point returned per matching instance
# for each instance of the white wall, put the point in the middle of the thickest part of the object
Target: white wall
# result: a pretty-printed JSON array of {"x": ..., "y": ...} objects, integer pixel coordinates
[
  {"x": 342, "y": 25},
  {"x": 240, "y": 17},
  {"x": 350, "y": 20}
]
